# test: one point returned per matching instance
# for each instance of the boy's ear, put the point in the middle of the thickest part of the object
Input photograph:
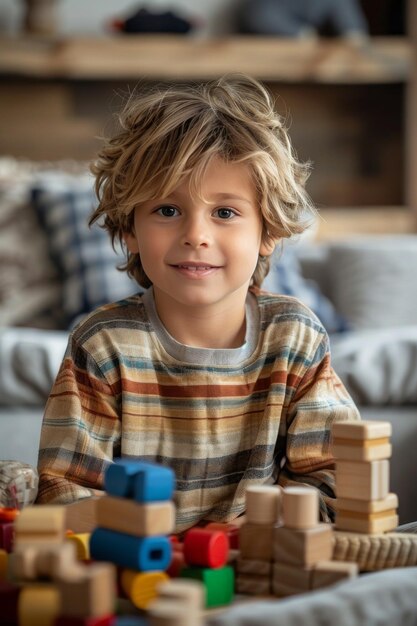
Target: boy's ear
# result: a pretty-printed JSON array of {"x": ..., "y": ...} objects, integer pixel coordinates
[
  {"x": 131, "y": 242},
  {"x": 267, "y": 246}
]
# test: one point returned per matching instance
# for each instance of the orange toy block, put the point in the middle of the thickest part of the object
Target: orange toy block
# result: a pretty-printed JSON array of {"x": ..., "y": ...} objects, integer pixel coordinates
[
  {"x": 253, "y": 567},
  {"x": 327, "y": 573},
  {"x": 253, "y": 585},
  {"x": 263, "y": 504},
  {"x": 40, "y": 525},
  {"x": 141, "y": 587},
  {"x": 362, "y": 480},
  {"x": 300, "y": 507},
  {"x": 255, "y": 541},
  {"x": 185, "y": 591},
  {"x": 305, "y": 547},
  {"x": 289, "y": 580},
  {"x": 367, "y": 516},
  {"x": 89, "y": 591},
  {"x": 165, "y": 612},
  {"x": 127, "y": 516},
  {"x": 39, "y": 605},
  {"x": 51, "y": 562},
  {"x": 361, "y": 441}
]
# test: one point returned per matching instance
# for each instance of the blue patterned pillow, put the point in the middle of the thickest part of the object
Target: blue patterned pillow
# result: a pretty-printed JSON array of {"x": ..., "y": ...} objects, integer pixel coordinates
[
  {"x": 285, "y": 277},
  {"x": 84, "y": 256}
]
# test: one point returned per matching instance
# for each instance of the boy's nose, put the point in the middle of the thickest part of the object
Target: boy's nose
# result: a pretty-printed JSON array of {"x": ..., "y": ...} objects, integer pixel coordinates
[{"x": 196, "y": 234}]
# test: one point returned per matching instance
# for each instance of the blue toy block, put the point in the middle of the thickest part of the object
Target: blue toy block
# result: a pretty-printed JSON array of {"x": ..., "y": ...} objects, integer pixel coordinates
[
  {"x": 131, "y": 620},
  {"x": 140, "y": 480},
  {"x": 139, "y": 553}
]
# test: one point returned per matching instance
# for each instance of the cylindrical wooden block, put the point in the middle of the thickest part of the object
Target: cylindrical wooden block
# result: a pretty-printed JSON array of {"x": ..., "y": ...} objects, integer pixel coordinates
[
  {"x": 141, "y": 587},
  {"x": 170, "y": 613},
  {"x": 189, "y": 592},
  {"x": 300, "y": 507},
  {"x": 38, "y": 605},
  {"x": 206, "y": 548},
  {"x": 263, "y": 504}
]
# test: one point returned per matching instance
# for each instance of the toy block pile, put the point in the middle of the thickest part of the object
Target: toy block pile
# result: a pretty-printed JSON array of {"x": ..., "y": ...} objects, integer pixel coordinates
[
  {"x": 303, "y": 547},
  {"x": 134, "y": 519},
  {"x": 263, "y": 514},
  {"x": 206, "y": 554},
  {"x": 362, "y": 451},
  {"x": 46, "y": 585}
]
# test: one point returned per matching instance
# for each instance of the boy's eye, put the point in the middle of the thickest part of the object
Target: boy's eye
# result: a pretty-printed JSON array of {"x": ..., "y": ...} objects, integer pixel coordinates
[
  {"x": 225, "y": 213},
  {"x": 167, "y": 210}
]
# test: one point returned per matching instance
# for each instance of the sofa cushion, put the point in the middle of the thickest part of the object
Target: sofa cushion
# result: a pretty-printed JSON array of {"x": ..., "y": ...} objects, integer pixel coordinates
[
  {"x": 84, "y": 256},
  {"x": 373, "y": 280}
]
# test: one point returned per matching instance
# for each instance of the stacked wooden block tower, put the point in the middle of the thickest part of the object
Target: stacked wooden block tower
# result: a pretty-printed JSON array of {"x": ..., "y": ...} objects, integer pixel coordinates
[
  {"x": 134, "y": 518},
  {"x": 362, "y": 451}
]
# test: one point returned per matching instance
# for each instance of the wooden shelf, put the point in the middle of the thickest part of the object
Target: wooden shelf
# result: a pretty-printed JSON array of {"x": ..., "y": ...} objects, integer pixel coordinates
[{"x": 380, "y": 60}]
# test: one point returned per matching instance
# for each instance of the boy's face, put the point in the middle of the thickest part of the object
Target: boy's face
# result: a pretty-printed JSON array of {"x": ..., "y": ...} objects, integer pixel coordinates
[{"x": 202, "y": 253}]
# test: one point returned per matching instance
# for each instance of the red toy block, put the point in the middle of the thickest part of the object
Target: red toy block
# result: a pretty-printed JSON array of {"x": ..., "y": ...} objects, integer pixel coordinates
[
  {"x": 9, "y": 600},
  {"x": 106, "y": 620},
  {"x": 231, "y": 530},
  {"x": 6, "y": 536},
  {"x": 206, "y": 548},
  {"x": 8, "y": 514},
  {"x": 177, "y": 564}
]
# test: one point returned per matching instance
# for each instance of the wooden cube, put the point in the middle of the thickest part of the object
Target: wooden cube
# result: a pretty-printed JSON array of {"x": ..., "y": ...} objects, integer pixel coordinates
[
  {"x": 128, "y": 516},
  {"x": 253, "y": 585},
  {"x": 253, "y": 567},
  {"x": 188, "y": 592},
  {"x": 263, "y": 504},
  {"x": 39, "y": 605},
  {"x": 300, "y": 507},
  {"x": 255, "y": 541},
  {"x": 327, "y": 573},
  {"x": 289, "y": 580},
  {"x": 40, "y": 525},
  {"x": 303, "y": 548},
  {"x": 367, "y": 516},
  {"x": 90, "y": 591},
  {"x": 362, "y": 480},
  {"x": 361, "y": 441},
  {"x": 165, "y": 612}
]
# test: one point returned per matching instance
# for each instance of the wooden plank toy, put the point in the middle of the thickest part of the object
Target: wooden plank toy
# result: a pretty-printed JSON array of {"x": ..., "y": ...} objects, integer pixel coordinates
[
  {"x": 289, "y": 580},
  {"x": 300, "y": 507},
  {"x": 142, "y": 587},
  {"x": 303, "y": 547},
  {"x": 263, "y": 504},
  {"x": 139, "y": 480},
  {"x": 376, "y": 552},
  {"x": 40, "y": 525},
  {"x": 218, "y": 583},
  {"x": 81, "y": 515},
  {"x": 256, "y": 541},
  {"x": 367, "y": 516},
  {"x": 361, "y": 440},
  {"x": 327, "y": 573},
  {"x": 362, "y": 480},
  {"x": 206, "y": 548},
  {"x": 153, "y": 518},
  {"x": 138, "y": 553}
]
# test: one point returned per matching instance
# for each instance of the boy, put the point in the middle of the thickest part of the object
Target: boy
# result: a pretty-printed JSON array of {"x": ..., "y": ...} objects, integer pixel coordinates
[{"x": 203, "y": 372}]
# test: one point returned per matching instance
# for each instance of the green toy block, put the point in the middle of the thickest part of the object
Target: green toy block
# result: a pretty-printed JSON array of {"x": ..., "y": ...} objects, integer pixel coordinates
[{"x": 219, "y": 583}]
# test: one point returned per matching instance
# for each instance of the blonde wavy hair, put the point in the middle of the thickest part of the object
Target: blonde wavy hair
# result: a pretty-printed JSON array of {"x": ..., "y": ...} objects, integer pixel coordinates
[{"x": 170, "y": 133}]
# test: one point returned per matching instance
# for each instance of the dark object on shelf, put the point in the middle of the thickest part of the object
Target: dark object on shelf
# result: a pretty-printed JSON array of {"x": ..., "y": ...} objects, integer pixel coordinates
[
  {"x": 144, "y": 21},
  {"x": 297, "y": 18}
]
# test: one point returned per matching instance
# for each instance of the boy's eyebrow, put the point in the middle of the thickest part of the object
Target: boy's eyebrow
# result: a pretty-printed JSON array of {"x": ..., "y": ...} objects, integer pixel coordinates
[{"x": 230, "y": 196}]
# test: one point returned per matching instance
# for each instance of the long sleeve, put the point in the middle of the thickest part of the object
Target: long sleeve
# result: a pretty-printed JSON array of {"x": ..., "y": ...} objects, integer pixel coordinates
[
  {"x": 80, "y": 431},
  {"x": 319, "y": 400}
]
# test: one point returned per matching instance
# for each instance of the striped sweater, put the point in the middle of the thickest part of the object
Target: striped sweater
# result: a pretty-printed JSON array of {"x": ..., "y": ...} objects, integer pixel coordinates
[{"x": 222, "y": 419}]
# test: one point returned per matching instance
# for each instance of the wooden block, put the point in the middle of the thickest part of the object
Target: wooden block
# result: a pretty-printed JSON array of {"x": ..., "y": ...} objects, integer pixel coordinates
[
  {"x": 4, "y": 560},
  {"x": 362, "y": 481},
  {"x": 177, "y": 564},
  {"x": 327, "y": 573},
  {"x": 231, "y": 530},
  {"x": 81, "y": 542},
  {"x": 128, "y": 516},
  {"x": 367, "y": 516},
  {"x": 303, "y": 547},
  {"x": 289, "y": 580},
  {"x": 253, "y": 567},
  {"x": 218, "y": 583},
  {"x": 205, "y": 548},
  {"x": 50, "y": 562},
  {"x": 361, "y": 441},
  {"x": 7, "y": 533},
  {"x": 256, "y": 541},
  {"x": 253, "y": 585},
  {"x": 141, "y": 587},
  {"x": 81, "y": 515},
  {"x": 39, "y": 605},
  {"x": 300, "y": 507},
  {"x": 188, "y": 592},
  {"x": 376, "y": 552},
  {"x": 138, "y": 553},
  {"x": 89, "y": 591},
  {"x": 263, "y": 504},
  {"x": 40, "y": 525},
  {"x": 140, "y": 480},
  {"x": 163, "y": 612}
]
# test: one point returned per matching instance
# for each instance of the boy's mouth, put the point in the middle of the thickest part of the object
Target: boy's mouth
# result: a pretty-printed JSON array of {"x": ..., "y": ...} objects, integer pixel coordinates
[{"x": 194, "y": 269}]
